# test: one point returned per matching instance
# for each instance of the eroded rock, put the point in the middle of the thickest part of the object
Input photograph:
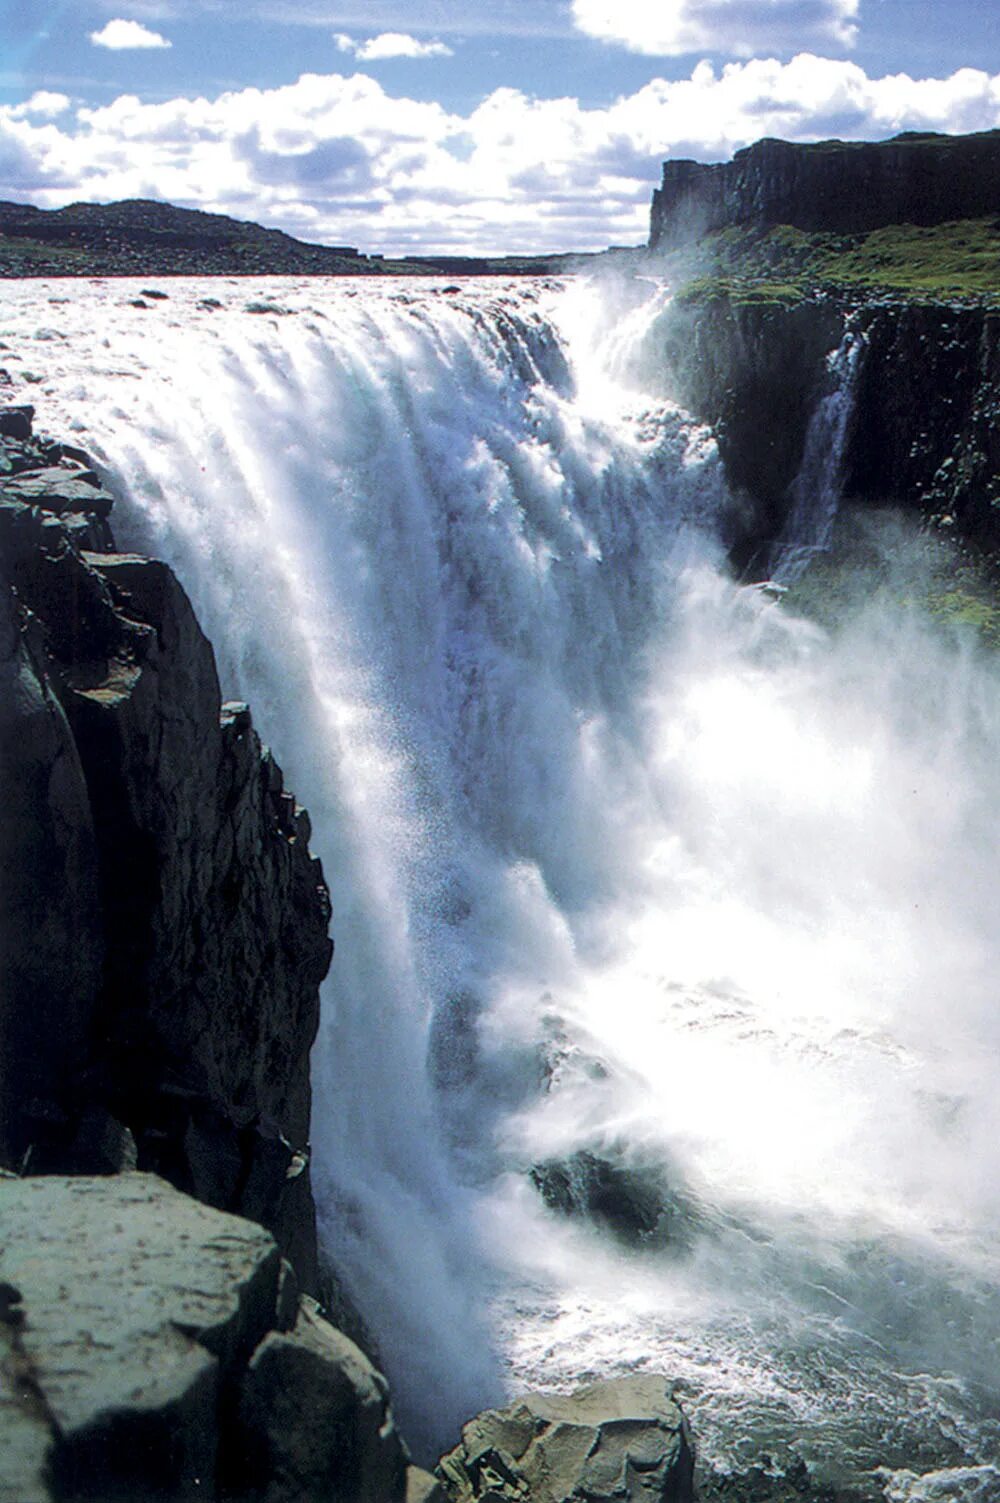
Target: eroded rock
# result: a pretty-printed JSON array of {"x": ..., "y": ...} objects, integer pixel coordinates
[
  {"x": 621, "y": 1440},
  {"x": 129, "y": 1306},
  {"x": 151, "y": 1347}
]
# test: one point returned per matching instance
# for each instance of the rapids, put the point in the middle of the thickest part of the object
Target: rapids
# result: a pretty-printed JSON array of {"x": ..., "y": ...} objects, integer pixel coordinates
[{"x": 626, "y": 858}]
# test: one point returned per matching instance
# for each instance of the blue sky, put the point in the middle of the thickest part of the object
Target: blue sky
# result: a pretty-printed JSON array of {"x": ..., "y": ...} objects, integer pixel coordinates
[{"x": 476, "y": 125}]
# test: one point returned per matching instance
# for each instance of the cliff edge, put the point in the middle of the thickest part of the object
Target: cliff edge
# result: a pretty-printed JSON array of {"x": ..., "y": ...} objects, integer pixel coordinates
[
  {"x": 789, "y": 252},
  {"x": 839, "y": 186},
  {"x": 165, "y": 926}
]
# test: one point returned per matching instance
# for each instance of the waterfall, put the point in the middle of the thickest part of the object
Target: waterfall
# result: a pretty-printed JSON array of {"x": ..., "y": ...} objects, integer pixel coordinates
[
  {"x": 815, "y": 492},
  {"x": 636, "y": 872}
]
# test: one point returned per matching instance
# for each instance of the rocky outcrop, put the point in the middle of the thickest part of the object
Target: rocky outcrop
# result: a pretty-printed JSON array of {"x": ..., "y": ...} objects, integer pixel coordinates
[
  {"x": 152, "y": 1347},
  {"x": 756, "y": 372},
  {"x": 926, "y": 422},
  {"x": 632, "y": 1201},
  {"x": 165, "y": 925},
  {"x": 922, "y": 432},
  {"x": 607, "y": 1443},
  {"x": 844, "y": 186}
]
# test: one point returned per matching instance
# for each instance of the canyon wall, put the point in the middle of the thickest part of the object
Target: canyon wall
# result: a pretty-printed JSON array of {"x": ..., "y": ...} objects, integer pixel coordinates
[
  {"x": 923, "y": 431},
  {"x": 165, "y": 926},
  {"x": 831, "y": 185}
]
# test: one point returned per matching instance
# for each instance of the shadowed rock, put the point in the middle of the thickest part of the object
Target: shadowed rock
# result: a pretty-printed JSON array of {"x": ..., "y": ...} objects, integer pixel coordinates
[{"x": 165, "y": 928}]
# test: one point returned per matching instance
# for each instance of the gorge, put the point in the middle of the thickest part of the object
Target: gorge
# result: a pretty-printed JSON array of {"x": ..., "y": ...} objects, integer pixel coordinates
[{"x": 661, "y": 1029}]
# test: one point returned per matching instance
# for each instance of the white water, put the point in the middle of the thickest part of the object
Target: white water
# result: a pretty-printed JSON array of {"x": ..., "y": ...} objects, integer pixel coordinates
[{"x": 641, "y": 862}]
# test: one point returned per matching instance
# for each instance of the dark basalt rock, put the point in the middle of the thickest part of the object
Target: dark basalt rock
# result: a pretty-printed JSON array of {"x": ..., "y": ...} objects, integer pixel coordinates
[
  {"x": 629, "y": 1201},
  {"x": 153, "y": 1348},
  {"x": 623, "y": 1441},
  {"x": 848, "y": 186},
  {"x": 926, "y": 429},
  {"x": 166, "y": 929},
  {"x": 755, "y": 372}
]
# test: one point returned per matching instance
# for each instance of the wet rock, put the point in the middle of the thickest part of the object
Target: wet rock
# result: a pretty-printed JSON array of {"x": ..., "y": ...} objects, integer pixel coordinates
[
  {"x": 767, "y": 1484},
  {"x": 756, "y": 373},
  {"x": 15, "y": 422},
  {"x": 620, "y": 1440},
  {"x": 631, "y": 1201}
]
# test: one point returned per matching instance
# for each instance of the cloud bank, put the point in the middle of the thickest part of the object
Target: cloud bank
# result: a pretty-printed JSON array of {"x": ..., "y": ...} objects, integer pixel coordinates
[
  {"x": 340, "y": 159},
  {"x": 124, "y": 36},
  {"x": 739, "y": 28}
]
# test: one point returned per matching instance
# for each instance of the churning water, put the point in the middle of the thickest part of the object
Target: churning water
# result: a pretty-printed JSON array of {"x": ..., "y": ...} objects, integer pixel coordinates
[{"x": 641, "y": 880}]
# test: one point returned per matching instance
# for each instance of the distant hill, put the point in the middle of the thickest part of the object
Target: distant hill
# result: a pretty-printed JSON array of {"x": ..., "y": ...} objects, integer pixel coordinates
[{"x": 143, "y": 237}]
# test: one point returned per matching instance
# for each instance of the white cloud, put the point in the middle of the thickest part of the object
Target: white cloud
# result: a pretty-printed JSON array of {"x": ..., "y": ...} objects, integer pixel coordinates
[
  {"x": 738, "y": 28},
  {"x": 339, "y": 159},
  {"x": 390, "y": 44},
  {"x": 43, "y": 103},
  {"x": 121, "y": 36}
]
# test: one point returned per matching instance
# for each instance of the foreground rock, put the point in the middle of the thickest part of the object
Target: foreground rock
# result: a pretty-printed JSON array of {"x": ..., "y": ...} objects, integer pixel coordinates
[
  {"x": 620, "y": 1440},
  {"x": 152, "y": 1347},
  {"x": 166, "y": 928}
]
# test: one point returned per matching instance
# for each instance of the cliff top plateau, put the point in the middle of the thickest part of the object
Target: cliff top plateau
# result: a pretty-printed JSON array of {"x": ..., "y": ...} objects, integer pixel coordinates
[{"x": 914, "y": 217}]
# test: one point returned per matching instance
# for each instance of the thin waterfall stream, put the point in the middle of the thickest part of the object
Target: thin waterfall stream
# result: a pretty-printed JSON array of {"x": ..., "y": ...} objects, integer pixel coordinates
[{"x": 650, "y": 890}]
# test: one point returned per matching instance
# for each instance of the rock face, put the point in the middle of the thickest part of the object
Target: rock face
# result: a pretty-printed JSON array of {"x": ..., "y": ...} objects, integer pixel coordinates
[
  {"x": 152, "y": 1347},
  {"x": 755, "y": 371},
  {"x": 620, "y": 1440},
  {"x": 926, "y": 421},
  {"x": 924, "y": 427},
  {"x": 834, "y": 185},
  {"x": 165, "y": 927}
]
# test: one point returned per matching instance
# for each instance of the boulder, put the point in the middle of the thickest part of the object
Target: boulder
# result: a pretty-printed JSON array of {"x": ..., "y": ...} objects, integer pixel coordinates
[
  {"x": 631, "y": 1200},
  {"x": 316, "y": 1422},
  {"x": 127, "y": 1307},
  {"x": 151, "y": 1347},
  {"x": 620, "y": 1440}
]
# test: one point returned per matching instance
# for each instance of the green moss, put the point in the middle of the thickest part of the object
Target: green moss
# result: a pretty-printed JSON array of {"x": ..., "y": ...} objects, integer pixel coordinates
[
  {"x": 969, "y": 608},
  {"x": 959, "y": 260},
  {"x": 881, "y": 559}
]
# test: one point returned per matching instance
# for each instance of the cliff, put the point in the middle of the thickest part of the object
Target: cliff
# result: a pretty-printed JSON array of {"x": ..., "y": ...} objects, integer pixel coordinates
[
  {"x": 837, "y": 186},
  {"x": 803, "y": 248},
  {"x": 165, "y": 926}
]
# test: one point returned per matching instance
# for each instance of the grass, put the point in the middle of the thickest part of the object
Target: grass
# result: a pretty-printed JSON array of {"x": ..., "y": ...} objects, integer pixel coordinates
[{"x": 957, "y": 261}]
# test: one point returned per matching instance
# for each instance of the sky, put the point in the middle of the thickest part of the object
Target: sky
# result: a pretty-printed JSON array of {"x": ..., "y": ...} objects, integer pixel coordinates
[{"x": 416, "y": 126}]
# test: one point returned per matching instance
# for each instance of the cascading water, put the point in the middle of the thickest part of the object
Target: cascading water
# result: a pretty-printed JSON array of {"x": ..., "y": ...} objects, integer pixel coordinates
[
  {"x": 636, "y": 873},
  {"x": 815, "y": 491}
]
